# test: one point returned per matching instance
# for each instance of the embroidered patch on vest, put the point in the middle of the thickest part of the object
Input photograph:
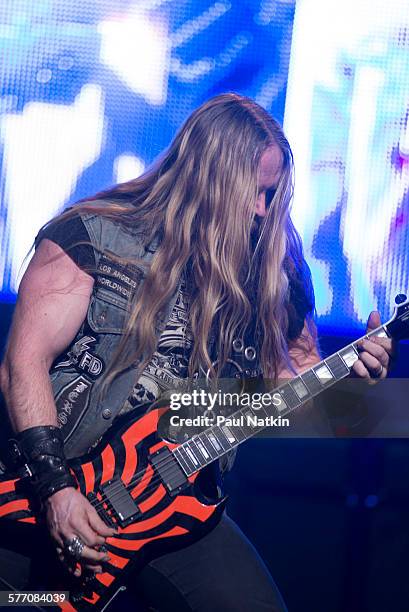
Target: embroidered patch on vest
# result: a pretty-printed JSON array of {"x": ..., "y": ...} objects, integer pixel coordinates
[
  {"x": 72, "y": 401},
  {"x": 121, "y": 279},
  {"x": 82, "y": 359}
]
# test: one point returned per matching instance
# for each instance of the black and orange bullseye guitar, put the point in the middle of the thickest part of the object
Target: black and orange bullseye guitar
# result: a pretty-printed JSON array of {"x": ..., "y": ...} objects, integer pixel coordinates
[{"x": 147, "y": 486}]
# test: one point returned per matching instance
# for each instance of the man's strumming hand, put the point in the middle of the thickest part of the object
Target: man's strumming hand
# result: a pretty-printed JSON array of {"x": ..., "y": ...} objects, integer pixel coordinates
[{"x": 70, "y": 514}]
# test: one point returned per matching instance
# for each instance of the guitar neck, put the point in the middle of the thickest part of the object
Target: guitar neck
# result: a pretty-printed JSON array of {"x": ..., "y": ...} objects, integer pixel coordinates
[{"x": 214, "y": 442}]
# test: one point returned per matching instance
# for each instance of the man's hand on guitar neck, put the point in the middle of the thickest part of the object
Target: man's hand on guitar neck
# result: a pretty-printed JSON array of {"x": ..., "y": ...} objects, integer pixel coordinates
[
  {"x": 373, "y": 364},
  {"x": 70, "y": 514},
  {"x": 375, "y": 354}
]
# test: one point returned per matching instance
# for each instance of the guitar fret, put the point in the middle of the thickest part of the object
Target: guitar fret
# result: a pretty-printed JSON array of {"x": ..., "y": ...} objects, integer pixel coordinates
[
  {"x": 356, "y": 345},
  {"x": 378, "y": 333},
  {"x": 245, "y": 429},
  {"x": 289, "y": 395},
  {"x": 202, "y": 451},
  {"x": 311, "y": 382},
  {"x": 261, "y": 410},
  {"x": 349, "y": 355},
  {"x": 208, "y": 445},
  {"x": 252, "y": 428},
  {"x": 197, "y": 451},
  {"x": 214, "y": 441},
  {"x": 221, "y": 438},
  {"x": 337, "y": 366},
  {"x": 229, "y": 434},
  {"x": 300, "y": 388},
  {"x": 282, "y": 405},
  {"x": 238, "y": 430},
  {"x": 192, "y": 456},
  {"x": 323, "y": 373},
  {"x": 185, "y": 458}
]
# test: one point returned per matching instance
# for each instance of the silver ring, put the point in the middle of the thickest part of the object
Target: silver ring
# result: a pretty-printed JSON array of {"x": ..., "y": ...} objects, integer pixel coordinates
[{"x": 74, "y": 547}]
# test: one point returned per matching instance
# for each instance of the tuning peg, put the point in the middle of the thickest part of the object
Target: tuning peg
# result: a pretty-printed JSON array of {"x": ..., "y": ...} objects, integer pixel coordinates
[{"x": 400, "y": 298}]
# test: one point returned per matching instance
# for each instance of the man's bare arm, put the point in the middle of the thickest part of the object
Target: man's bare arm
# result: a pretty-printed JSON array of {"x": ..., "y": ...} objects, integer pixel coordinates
[{"x": 52, "y": 303}]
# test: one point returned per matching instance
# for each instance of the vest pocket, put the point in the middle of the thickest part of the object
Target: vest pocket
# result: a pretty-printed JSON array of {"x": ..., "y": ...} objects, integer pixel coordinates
[{"x": 106, "y": 313}]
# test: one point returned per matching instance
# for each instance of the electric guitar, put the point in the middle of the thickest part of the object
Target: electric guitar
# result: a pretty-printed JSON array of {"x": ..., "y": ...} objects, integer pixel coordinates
[{"x": 146, "y": 485}]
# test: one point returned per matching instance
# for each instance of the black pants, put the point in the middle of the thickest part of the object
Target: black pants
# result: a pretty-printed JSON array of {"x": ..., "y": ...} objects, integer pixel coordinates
[{"x": 222, "y": 572}]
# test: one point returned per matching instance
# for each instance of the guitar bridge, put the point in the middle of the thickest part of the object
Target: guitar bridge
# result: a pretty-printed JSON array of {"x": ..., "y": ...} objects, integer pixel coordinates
[{"x": 120, "y": 502}]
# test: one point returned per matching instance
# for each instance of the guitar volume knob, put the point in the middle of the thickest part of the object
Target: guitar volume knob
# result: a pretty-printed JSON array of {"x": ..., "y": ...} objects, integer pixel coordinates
[{"x": 400, "y": 298}]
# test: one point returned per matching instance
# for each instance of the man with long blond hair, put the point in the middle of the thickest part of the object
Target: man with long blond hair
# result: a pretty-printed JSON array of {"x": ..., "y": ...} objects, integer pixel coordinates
[{"x": 192, "y": 269}]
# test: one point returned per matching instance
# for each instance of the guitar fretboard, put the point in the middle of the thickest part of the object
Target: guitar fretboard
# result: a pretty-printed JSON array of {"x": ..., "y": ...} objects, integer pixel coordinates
[{"x": 214, "y": 442}]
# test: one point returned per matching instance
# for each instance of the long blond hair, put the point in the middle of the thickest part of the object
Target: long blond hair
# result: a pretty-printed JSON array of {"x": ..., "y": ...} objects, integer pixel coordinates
[{"x": 199, "y": 198}]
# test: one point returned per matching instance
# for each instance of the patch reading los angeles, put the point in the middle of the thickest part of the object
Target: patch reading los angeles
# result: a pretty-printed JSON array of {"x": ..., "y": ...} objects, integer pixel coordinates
[{"x": 121, "y": 279}]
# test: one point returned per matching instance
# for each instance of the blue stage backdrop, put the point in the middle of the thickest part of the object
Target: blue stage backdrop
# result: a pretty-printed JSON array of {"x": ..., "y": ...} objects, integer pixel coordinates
[{"x": 92, "y": 91}]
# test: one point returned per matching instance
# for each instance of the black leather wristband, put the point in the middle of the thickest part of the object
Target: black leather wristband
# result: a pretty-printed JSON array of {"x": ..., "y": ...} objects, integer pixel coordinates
[{"x": 42, "y": 452}]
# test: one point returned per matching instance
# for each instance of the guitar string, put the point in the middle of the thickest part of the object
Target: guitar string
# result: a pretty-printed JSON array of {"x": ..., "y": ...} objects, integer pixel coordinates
[
  {"x": 154, "y": 479},
  {"x": 166, "y": 461},
  {"x": 170, "y": 459}
]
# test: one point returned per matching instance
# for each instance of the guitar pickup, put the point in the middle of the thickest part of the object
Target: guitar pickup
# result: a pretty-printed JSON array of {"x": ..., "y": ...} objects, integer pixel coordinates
[
  {"x": 120, "y": 502},
  {"x": 169, "y": 471}
]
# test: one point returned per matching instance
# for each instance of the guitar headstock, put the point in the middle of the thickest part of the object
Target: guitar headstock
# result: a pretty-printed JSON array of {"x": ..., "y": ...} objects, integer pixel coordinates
[{"x": 398, "y": 326}]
